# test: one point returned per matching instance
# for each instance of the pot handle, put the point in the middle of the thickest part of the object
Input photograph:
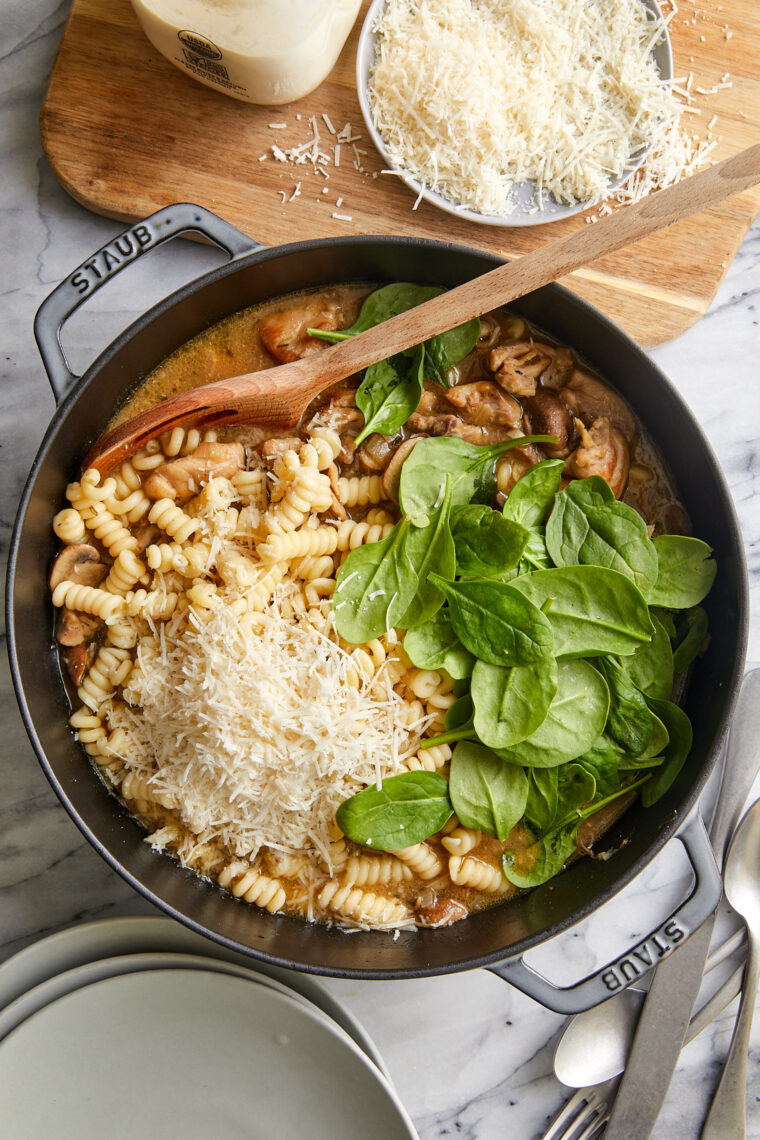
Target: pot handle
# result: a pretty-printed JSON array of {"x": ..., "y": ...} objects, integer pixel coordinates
[
  {"x": 110, "y": 259},
  {"x": 629, "y": 967}
]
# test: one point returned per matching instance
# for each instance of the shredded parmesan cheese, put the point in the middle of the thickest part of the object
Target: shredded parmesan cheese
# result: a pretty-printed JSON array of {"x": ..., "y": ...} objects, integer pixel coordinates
[
  {"x": 255, "y": 731},
  {"x": 475, "y": 96}
]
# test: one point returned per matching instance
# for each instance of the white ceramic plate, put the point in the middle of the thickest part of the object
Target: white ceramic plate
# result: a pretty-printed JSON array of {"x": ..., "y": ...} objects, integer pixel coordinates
[
  {"x": 190, "y": 1053},
  {"x": 114, "y": 937},
  {"x": 524, "y": 212}
]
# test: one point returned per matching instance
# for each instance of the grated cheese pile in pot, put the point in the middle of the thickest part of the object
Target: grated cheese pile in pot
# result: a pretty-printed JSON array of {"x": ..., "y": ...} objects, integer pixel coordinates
[
  {"x": 473, "y": 96},
  {"x": 256, "y": 733}
]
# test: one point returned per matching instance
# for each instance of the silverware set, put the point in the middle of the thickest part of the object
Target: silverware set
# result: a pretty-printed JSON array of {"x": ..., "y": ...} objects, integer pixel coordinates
[{"x": 640, "y": 1035}]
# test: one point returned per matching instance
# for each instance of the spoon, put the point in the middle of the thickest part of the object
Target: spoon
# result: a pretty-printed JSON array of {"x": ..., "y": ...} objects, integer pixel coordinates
[
  {"x": 727, "y": 1116},
  {"x": 277, "y": 397}
]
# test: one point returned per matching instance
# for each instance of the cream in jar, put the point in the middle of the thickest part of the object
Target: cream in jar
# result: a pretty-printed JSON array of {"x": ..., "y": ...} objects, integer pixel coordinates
[{"x": 260, "y": 51}]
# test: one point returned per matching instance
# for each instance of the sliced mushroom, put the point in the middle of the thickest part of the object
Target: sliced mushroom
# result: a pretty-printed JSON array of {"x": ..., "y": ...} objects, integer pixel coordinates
[
  {"x": 181, "y": 479},
  {"x": 75, "y": 660},
  {"x": 442, "y": 913},
  {"x": 74, "y": 628},
  {"x": 78, "y": 563},
  {"x": 284, "y": 334},
  {"x": 603, "y": 450},
  {"x": 145, "y": 535},
  {"x": 484, "y": 403},
  {"x": 547, "y": 414},
  {"x": 517, "y": 366},
  {"x": 392, "y": 472},
  {"x": 589, "y": 399},
  {"x": 559, "y": 369}
]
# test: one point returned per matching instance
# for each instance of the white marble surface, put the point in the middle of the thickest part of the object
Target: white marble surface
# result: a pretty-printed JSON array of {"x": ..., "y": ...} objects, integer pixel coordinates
[{"x": 471, "y": 1057}]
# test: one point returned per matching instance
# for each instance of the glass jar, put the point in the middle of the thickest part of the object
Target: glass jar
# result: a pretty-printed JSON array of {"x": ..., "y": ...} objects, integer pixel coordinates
[{"x": 260, "y": 51}]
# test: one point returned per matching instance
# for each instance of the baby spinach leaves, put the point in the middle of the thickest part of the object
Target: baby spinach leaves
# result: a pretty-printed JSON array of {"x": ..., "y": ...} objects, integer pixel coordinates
[
  {"x": 591, "y": 609},
  {"x": 685, "y": 572},
  {"x": 487, "y": 544},
  {"x": 575, "y": 719},
  {"x": 532, "y": 496},
  {"x": 390, "y": 390},
  {"x": 471, "y": 469},
  {"x": 404, "y": 810},
  {"x": 486, "y": 793},
  {"x": 690, "y": 632},
  {"x": 588, "y": 526},
  {"x": 650, "y": 667},
  {"x": 495, "y": 622},
  {"x": 375, "y": 586},
  {"x": 427, "y": 549},
  {"x": 435, "y": 645},
  {"x": 680, "y": 735},
  {"x": 390, "y": 393},
  {"x": 510, "y": 703},
  {"x": 629, "y": 722}
]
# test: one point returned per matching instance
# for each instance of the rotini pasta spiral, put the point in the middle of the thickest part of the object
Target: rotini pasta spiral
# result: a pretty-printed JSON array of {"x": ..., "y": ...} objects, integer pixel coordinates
[
  {"x": 466, "y": 871},
  {"x": 421, "y": 859},
  {"x": 107, "y": 528},
  {"x": 172, "y": 519},
  {"x": 246, "y": 882},
  {"x": 69, "y": 526},
  {"x": 358, "y": 490},
  {"x": 298, "y": 544},
  {"x": 362, "y": 870},
  {"x": 352, "y": 534},
  {"x": 88, "y": 599},
  {"x": 126, "y": 570},
  {"x": 363, "y": 906},
  {"x": 462, "y": 840}
]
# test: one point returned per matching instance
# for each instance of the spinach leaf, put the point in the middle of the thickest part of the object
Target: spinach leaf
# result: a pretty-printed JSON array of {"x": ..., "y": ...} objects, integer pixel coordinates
[
  {"x": 686, "y": 572},
  {"x": 531, "y": 498},
  {"x": 390, "y": 393},
  {"x": 471, "y": 469},
  {"x": 405, "y": 810},
  {"x": 680, "y": 737},
  {"x": 629, "y": 722},
  {"x": 486, "y": 793},
  {"x": 650, "y": 667},
  {"x": 665, "y": 619},
  {"x": 690, "y": 632},
  {"x": 434, "y": 645},
  {"x": 535, "y": 556},
  {"x": 459, "y": 713},
  {"x": 591, "y": 610},
  {"x": 574, "y": 721},
  {"x": 588, "y": 526},
  {"x": 381, "y": 305},
  {"x": 487, "y": 545},
  {"x": 543, "y": 798},
  {"x": 448, "y": 348},
  {"x": 375, "y": 586},
  {"x": 548, "y": 855},
  {"x": 603, "y": 761},
  {"x": 426, "y": 549},
  {"x": 576, "y": 787},
  {"x": 495, "y": 622},
  {"x": 510, "y": 703}
]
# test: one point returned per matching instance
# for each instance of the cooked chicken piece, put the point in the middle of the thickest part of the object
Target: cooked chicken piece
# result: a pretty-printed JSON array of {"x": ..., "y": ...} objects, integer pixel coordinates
[
  {"x": 341, "y": 413},
  {"x": 589, "y": 399},
  {"x": 181, "y": 479},
  {"x": 441, "y": 913},
  {"x": 74, "y": 628},
  {"x": 276, "y": 448},
  {"x": 513, "y": 466},
  {"x": 547, "y": 414},
  {"x": 284, "y": 333},
  {"x": 375, "y": 453},
  {"x": 517, "y": 366},
  {"x": 78, "y": 563},
  {"x": 338, "y": 509},
  {"x": 392, "y": 472},
  {"x": 559, "y": 369},
  {"x": 603, "y": 450},
  {"x": 484, "y": 403},
  {"x": 452, "y": 425}
]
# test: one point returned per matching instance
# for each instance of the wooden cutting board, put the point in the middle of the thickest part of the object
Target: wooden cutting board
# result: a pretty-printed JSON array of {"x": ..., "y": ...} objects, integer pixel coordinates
[{"x": 126, "y": 133}]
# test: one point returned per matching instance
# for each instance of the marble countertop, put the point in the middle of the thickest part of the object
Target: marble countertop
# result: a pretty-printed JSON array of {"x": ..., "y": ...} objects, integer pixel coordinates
[{"x": 471, "y": 1057}]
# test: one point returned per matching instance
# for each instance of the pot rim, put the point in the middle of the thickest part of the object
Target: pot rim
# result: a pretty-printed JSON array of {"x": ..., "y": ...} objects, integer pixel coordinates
[{"x": 258, "y": 256}]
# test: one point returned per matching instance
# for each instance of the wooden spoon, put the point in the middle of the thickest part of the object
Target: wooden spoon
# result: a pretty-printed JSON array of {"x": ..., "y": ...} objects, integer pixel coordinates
[{"x": 277, "y": 397}]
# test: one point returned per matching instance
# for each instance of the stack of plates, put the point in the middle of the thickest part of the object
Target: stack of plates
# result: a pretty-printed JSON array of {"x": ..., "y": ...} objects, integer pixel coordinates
[{"x": 139, "y": 1027}]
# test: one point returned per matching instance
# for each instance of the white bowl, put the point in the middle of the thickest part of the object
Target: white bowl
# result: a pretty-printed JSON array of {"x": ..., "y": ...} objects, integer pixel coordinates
[{"x": 525, "y": 211}]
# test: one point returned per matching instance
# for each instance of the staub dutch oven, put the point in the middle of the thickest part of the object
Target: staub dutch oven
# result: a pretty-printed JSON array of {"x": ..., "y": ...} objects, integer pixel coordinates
[{"x": 496, "y": 938}]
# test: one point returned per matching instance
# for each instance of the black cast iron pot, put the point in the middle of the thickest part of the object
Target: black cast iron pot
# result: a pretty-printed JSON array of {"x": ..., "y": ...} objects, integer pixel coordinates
[{"x": 498, "y": 937}]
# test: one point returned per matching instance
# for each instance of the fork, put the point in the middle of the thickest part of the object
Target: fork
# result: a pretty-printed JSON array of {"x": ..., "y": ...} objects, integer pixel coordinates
[{"x": 587, "y": 1111}]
